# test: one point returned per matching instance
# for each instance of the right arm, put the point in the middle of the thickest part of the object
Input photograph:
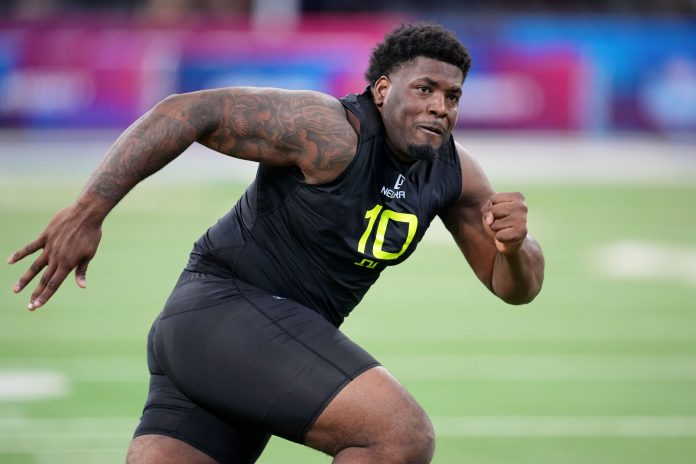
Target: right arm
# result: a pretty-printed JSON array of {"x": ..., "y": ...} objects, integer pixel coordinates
[{"x": 274, "y": 126}]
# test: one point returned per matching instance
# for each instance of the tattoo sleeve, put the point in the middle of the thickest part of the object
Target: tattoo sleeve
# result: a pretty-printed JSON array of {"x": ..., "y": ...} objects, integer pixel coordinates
[
  {"x": 283, "y": 127},
  {"x": 148, "y": 145},
  {"x": 271, "y": 126}
]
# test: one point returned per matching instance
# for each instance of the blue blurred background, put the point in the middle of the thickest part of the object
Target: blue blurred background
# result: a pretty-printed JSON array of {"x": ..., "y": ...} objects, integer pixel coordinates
[{"x": 574, "y": 66}]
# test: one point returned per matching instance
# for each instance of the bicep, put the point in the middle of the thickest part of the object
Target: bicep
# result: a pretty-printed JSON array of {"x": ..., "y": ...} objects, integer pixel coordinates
[
  {"x": 464, "y": 219},
  {"x": 276, "y": 126}
]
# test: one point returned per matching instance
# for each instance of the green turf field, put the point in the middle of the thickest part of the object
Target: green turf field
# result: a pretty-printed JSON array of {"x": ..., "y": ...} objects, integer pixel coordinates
[{"x": 600, "y": 369}]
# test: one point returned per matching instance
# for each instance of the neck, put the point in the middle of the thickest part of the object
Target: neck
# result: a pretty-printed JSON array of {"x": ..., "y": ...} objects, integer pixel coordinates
[{"x": 401, "y": 157}]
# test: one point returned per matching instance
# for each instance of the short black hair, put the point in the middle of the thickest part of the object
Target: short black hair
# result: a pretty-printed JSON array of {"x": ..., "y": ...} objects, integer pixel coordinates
[{"x": 409, "y": 41}]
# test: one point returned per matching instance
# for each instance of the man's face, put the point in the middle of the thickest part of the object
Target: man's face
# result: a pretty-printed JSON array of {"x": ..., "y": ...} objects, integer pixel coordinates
[{"x": 418, "y": 103}]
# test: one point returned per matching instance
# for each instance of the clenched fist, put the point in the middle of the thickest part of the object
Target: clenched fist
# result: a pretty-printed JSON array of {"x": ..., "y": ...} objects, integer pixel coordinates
[{"x": 505, "y": 220}]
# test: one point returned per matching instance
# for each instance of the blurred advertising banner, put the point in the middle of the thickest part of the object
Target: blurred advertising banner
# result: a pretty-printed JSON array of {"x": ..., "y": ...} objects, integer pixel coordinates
[
  {"x": 106, "y": 72},
  {"x": 516, "y": 89},
  {"x": 639, "y": 73},
  {"x": 570, "y": 74}
]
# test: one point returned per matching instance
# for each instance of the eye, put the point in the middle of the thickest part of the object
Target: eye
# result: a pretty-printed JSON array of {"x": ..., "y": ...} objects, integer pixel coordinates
[
  {"x": 453, "y": 98},
  {"x": 423, "y": 89}
]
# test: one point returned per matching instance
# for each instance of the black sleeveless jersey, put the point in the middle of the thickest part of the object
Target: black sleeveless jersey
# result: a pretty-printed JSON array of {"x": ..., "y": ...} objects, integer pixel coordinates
[{"x": 325, "y": 245}]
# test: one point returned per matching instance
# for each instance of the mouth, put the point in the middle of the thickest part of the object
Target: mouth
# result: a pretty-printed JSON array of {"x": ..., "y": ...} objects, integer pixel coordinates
[{"x": 432, "y": 129}]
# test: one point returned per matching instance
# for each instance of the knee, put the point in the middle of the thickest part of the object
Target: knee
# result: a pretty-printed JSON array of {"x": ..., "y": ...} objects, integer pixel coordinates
[
  {"x": 374, "y": 420},
  {"x": 408, "y": 440},
  {"x": 412, "y": 443}
]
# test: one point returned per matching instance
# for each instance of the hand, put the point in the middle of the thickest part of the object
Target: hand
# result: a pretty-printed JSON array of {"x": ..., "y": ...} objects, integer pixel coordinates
[
  {"x": 68, "y": 242},
  {"x": 505, "y": 220}
]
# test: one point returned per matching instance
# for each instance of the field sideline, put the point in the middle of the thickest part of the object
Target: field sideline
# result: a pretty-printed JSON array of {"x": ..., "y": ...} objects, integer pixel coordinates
[{"x": 601, "y": 368}]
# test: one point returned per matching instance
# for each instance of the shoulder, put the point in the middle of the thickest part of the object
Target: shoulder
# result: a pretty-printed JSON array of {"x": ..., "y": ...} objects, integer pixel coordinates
[
  {"x": 309, "y": 98},
  {"x": 475, "y": 188},
  {"x": 311, "y": 128},
  {"x": 311, "y": 110},
  {"x": 466, "y": 159},
  {"x": 299, "y": 106},
  {"x": 284, "y": 104},
  {"x": 279, "y": 127}
]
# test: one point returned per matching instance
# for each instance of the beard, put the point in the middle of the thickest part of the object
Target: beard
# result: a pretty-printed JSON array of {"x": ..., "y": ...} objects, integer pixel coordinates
[{"x": 424, "y": 152}]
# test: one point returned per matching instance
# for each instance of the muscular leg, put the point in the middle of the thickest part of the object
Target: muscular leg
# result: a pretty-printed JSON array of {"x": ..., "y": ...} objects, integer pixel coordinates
[
  {"x": 159, "y": 449},
  {"x": 228, "y": 373},
  {"x": 374, "y": 420}
]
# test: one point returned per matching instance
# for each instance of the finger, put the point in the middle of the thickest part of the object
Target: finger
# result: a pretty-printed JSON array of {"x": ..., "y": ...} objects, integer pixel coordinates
[
  {"x": 81, "y": 274},
  {"x": 51, "y": 286},
  {"x": 27, "y": 277},
  {"x": 505, "y": 197},
  {"x": 27, "y": 250},
  {"x": 487, "y": 213},
  {"x": 45, "y": 279},
  {"x": 501, "y": 210},
  {"x": 508, "y": 209},
  {"x": 511, "y": 235},
  {"x": 507, "y": 222}
]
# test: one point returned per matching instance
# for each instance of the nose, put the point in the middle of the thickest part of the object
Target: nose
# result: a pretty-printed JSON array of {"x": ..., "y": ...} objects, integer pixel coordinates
[{"x": 437, "y": 105}]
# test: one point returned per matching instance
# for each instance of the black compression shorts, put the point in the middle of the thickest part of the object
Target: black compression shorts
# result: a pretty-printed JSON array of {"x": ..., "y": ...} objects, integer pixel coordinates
[{"x": 232, "y": 364}]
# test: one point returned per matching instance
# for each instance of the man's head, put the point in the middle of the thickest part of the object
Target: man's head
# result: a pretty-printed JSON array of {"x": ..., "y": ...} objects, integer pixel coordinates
[{"x": 416, "y": 76}]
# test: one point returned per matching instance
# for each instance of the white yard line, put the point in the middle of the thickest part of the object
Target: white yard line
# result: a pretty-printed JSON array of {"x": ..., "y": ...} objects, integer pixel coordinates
[
  {"x": 638, "y": 260},
  {"x": 543, "y": 367},
  {"x": 105, "y": 434},
  {"x": 102, "y": 369},
  {"x": 25, "y": 384},
  {"x": 565, "y": 426},
  {"x": 50, "y": 436},
  {"x": 72, "y": 425},
  {"x": 427, "y": 367}
]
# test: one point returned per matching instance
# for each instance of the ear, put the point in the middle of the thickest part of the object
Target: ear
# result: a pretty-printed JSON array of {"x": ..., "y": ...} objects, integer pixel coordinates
[{"x": 380, "y": 90}]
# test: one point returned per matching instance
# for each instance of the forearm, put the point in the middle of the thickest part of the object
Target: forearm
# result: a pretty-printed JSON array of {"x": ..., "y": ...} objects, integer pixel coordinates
[
  {"x": 144, "y": 148},
  {"x": 517, "y": 278}
]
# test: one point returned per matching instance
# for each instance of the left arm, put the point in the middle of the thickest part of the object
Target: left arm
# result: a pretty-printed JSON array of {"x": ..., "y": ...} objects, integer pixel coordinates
[{"x": 491, "y": 231}]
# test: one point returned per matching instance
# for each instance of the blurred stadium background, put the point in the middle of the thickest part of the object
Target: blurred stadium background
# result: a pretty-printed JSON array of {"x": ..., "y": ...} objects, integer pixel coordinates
[{"x": 588, "y": 107}]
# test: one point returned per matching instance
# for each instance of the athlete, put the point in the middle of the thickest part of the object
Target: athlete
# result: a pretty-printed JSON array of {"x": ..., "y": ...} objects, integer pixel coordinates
[{"x": 248, "y": 346}]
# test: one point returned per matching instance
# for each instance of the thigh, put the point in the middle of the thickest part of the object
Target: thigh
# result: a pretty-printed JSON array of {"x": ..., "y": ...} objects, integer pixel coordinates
[{"x": 251, "y": 357}]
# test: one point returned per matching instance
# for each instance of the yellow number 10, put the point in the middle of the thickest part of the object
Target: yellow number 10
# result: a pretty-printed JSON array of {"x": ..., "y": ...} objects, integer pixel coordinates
[{"x": 387, "y": 214}]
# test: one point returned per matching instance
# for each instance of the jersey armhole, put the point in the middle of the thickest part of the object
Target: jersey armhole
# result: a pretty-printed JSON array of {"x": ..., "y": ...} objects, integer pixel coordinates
[{"x": 353, "y": 120}]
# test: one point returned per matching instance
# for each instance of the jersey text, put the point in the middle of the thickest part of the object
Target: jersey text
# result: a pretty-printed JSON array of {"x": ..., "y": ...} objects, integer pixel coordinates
[{"x": 389, "y": 193}]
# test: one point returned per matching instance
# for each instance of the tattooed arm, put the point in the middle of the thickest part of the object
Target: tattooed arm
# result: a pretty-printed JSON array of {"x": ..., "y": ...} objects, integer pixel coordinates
[{"x": 301, "y": 128}]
